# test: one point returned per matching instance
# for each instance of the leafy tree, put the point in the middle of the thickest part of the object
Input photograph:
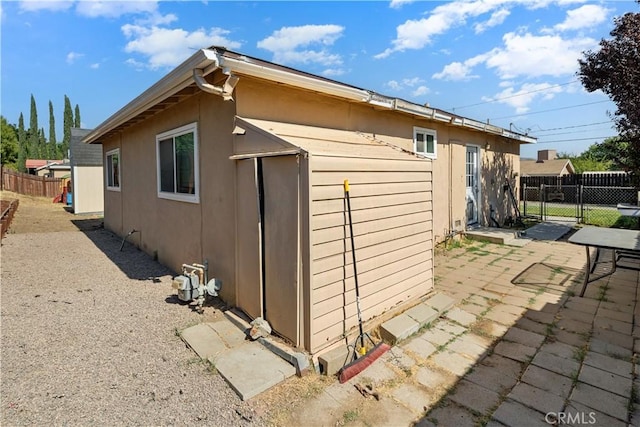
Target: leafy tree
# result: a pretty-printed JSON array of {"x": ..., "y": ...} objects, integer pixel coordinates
[
  {"x": 614, "y": 151},
  {"x": 67, "y": 125},
  {"x": 615, "y": 69},
  {"x": 9, "y": 144},
  {"x": 34, "y": 149},
  {"x": 76, "y": 117},
  {"x": 22, "y": 145},
  {"x": 586, "y": 164},
  {"x": 52, "y": 148}
]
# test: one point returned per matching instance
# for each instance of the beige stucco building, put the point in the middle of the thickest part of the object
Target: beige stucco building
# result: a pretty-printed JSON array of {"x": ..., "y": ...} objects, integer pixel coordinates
[{"x": 241, "y": 162}]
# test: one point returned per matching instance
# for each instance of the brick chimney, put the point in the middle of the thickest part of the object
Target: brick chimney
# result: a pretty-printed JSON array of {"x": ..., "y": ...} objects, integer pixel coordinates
[{"x": 546, "y": 155}]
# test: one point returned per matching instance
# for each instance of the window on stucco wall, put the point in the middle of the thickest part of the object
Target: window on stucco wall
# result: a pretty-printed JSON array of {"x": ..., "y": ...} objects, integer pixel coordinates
[
  {"x": 113, "y": 170},
  {"x": 177, "y": 164},
  {"x": 425, "y": 142}
]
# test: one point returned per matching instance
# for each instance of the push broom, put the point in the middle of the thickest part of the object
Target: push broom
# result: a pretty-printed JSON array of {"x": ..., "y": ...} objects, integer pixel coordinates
[{"x": 364, "y": 354}]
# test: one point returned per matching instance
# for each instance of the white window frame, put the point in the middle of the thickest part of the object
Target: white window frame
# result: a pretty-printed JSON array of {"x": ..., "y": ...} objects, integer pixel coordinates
[
  {"x": 181, "y": 197},
  {"x": 109, "y": 172},
  {"x": 425, "y": 132}
]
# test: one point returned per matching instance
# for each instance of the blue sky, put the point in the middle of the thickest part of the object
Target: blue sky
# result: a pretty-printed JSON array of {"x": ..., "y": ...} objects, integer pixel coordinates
[{"x": 510, "y": 62}]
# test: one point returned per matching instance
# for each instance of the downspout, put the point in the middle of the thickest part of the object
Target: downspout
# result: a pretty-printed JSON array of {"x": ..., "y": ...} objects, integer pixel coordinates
[{"x": 225, "y": 91}]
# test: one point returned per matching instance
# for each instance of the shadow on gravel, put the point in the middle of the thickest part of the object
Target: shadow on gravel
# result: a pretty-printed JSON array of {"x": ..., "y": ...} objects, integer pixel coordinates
[{"x": 130, "y": 260}]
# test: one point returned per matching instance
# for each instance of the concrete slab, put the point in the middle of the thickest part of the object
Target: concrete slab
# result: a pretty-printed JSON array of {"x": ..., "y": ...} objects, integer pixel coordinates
[
  {"x": 420, "y": 347},
  {"x": 422, "y": 313},
  {"x": 203, "y": 340},
  {"x": 491, "y": 379},
  {"x": 560, "y": 365},
  {"x": 521, "y": 336},
  {"x": 452, "y": 362},
  {"x": 376, "y": 374},
  {"x": 583, "y": 415},
  {"x": 397, "y": 357},
  {"x": 601, "y": 400},
  {"x": 417, "y": 399},
  {"x": 512, "y": 413},
  {"x": 398, "y": 328},
  {"x": 332, "y": 361},
  {"x": 229, "y": 332},
  {"x": 549, "y": 381},
  {"x": 440, "y": 302},
  {"x": 609, "y": 364},
  {"x": 474, "y": 397},
  {"x": 434, "y": 379},
  {"x": 251, "y": 369},
  {"x": 515, "y": 351},
  {"x": 605, "y": 380},
  {"x": 460, "y": 316},
  {"x": 449, "y": 414},
  {"x": 549, "y": 230}
]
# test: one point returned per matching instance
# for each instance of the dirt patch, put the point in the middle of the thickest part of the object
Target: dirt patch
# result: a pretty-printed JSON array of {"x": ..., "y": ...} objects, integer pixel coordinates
[{"x": 41, "y": 215}]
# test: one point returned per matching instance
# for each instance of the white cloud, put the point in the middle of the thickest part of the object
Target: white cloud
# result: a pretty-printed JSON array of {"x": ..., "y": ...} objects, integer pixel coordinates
[
  {"x": 416, "y": 34},
  {"x": 397, "y": 4},
  {"x": 166, "y": 47},
  {"x": 414, "y": 83},
  {"x": 455, "y": 71},
  {"x": 496, "y": 19},
  {"x": 48, "y": 5},
  {"x": 586, "y": 16},
  {"x": 532, "y": 56},
  {"x": 333, "y": 72},
  {"x": 114, "y": 9},
  {"x": 72, "y": 56},
  {"x": 420, "y": 91},
  {"x": 290, "y": 45},
  {"x": 521, "y": 99},
  {"x": 94, "y": 66}
]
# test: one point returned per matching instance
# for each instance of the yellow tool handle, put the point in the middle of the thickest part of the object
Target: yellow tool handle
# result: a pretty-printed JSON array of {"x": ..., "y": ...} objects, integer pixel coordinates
[{"x": 346, "y": 185}]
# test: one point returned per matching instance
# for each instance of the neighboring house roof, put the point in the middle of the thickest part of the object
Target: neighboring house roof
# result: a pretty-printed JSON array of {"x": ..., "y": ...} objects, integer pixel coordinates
[
  {"x": 36, "y": 163},
  {"x": 179, "y": 84},
  {"x": 556, "y": 167},
  {"x": 82, "y": 154},
  {"x": 56, "y": 166}
]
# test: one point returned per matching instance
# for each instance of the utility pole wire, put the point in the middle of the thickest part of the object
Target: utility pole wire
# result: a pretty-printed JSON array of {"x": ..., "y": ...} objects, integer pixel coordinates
[{"x": 552, "y": 109}]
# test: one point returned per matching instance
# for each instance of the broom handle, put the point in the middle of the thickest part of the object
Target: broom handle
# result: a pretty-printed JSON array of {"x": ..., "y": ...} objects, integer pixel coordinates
[{"x": 353, "y": 253}]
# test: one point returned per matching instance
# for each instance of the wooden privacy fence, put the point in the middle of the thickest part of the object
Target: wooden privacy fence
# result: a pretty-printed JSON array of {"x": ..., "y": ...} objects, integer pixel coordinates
[
  {"x": 621, "y": 179},
  {"x": 30, "y": 185},
  {"x": 8, "y": 209}
]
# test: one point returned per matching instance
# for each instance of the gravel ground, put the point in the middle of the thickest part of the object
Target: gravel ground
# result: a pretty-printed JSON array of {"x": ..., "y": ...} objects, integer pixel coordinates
[{"x": 89, "y": 337}]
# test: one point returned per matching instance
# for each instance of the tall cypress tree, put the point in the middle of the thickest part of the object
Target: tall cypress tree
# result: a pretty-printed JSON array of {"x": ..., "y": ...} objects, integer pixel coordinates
[
  {"x": 76, "y": 118},
  {"x": 67, "y": 125},
  {"x": 34, "y": 151},
  {"x": 22, "y": 145},
  {"x": 52, "y": 152},
  {"x": 42, "y": 145}
]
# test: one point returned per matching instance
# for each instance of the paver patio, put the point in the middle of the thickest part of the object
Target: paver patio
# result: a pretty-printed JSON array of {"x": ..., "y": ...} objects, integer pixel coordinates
[{"x": 518, "y": 344}]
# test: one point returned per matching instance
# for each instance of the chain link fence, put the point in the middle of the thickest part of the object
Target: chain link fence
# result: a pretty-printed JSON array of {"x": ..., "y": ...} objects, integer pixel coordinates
[{"x": 594, "y": 205}]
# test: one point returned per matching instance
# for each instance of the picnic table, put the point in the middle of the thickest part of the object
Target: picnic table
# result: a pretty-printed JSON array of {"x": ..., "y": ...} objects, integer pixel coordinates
[{"x": 622, "y": 243}]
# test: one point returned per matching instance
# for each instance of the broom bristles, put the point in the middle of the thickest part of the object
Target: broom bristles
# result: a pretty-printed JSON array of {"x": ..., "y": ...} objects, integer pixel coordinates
[{"x": 360, "y": 364}]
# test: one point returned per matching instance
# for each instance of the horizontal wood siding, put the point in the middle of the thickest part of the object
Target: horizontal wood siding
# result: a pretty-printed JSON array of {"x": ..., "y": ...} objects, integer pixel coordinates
[{"x": 391, "y": 203}]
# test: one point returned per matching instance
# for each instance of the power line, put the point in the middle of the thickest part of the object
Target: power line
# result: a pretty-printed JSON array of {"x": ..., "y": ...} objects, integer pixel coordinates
[
  {"x": 513, "y": 96},
  {"x": 570, "y": 132},
  {"x": 575, "y": 126},
  {"x": 576, "y": 139},
  {"x": 547, "y": 111}
]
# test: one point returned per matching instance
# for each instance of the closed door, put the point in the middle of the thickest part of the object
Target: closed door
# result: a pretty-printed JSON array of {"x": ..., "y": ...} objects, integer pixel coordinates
[
  {"x": 267, "y": 247},
  {"x": 472, "y": 184}
]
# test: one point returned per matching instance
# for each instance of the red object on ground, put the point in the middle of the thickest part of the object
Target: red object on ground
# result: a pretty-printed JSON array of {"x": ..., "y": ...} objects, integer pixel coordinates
[
  {"x": 57, "y": 199},
  {"x": 360, "y": 364}
]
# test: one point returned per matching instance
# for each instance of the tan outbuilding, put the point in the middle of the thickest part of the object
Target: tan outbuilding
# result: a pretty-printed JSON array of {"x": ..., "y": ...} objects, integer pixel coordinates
[{"x": 241, "y": 162}]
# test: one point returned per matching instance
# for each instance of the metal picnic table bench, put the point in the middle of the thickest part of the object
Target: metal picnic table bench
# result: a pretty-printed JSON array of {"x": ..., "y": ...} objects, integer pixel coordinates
[{"x": 622, "y": 243}]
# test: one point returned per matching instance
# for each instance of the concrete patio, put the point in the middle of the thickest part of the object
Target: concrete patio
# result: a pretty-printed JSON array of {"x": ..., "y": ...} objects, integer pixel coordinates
[{"x": 518, "y": 347}]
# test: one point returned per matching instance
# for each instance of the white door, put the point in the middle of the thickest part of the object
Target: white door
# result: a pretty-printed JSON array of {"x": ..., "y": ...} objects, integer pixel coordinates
[{"x": 472, "y": 183}]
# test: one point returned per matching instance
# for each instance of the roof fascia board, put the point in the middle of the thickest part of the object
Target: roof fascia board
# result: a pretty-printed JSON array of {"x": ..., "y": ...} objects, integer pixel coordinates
[
  {"x": 232, "y": 65},
  {"x": 172, "y": 83}
]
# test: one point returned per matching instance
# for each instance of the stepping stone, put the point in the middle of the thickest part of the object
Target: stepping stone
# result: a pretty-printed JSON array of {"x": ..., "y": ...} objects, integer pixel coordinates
[
  {"x": 440, "y": 302},
  {"x": 203, "y": 340},
  {"x": 251, "y": 369}
]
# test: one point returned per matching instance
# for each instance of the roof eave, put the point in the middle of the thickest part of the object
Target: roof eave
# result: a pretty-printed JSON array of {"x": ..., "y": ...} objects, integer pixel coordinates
[{"x": 176, "y": 80}]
